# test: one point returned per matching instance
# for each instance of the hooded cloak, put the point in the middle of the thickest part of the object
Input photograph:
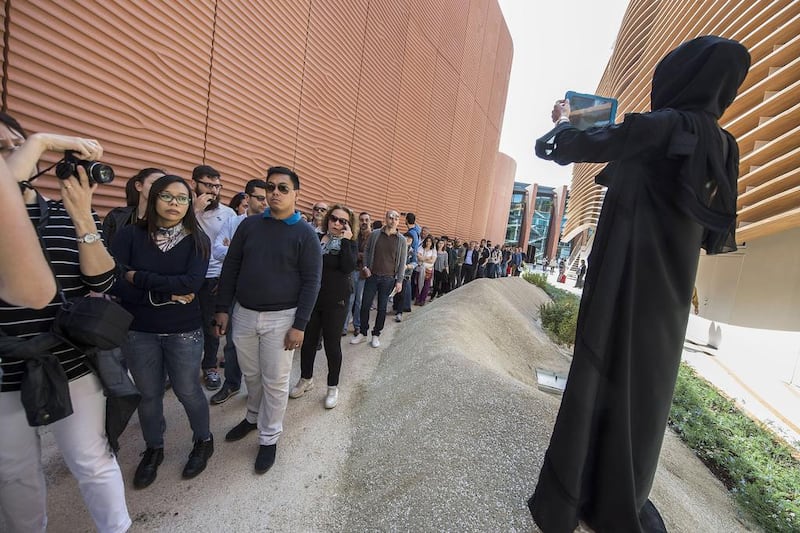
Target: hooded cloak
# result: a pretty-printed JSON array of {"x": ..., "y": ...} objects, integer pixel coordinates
[{"x": 671, "y": 182}]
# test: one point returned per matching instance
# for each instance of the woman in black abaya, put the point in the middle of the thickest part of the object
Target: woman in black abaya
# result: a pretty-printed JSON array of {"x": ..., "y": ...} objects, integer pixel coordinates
[{"x": 671, "y": 190}]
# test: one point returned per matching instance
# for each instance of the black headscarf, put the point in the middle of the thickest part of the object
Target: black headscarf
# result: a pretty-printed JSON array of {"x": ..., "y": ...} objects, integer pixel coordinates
[{"x": 700, "y": 79}]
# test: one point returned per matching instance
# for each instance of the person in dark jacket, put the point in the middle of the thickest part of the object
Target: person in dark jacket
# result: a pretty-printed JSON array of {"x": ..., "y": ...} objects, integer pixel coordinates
[
  {"x": 672, "y": 183},
  {"x": 137, "y": 191},
  {"x": 339, "y": 259},
  {"x": 165, "y": 257}
]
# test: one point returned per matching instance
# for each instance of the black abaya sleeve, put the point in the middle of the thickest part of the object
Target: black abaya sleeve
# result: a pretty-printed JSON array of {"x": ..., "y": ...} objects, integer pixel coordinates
[{"x": 638, "y": 136}]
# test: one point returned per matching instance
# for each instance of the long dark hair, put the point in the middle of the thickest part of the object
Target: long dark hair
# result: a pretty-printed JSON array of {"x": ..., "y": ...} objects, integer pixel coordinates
[
  {"x": 426, "y": 239},
  {"x": 201, "y": 241}
]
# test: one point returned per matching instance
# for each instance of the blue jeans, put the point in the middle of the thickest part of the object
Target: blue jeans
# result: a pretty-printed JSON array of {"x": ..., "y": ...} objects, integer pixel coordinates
[
  {"x": 382, "y": 285},
  {"x": 355, "y": 304},
  {"x": 233, "y": 374},
  {"x": 148, "y": 356}
]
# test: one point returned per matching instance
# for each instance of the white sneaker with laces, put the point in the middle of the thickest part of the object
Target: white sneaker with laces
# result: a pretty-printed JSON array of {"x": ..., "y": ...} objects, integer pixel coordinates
[
  {"x": 376, "y": 341},
  {"x": 358, "y": 339},
  {"x": 302, "y": 386},
  {"x": 332, "y": 398}
]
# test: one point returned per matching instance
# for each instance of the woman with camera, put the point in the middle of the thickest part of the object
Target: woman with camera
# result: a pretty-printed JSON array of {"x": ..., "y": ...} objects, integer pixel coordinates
[
  {"x": 69, "y": 233},
  {"x": 166, "y": 257}
]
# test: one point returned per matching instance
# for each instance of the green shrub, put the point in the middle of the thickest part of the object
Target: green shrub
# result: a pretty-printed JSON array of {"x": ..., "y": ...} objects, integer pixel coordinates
[
  {"x": 761, "y": 472},
  {"x": 559, "y": 317}
]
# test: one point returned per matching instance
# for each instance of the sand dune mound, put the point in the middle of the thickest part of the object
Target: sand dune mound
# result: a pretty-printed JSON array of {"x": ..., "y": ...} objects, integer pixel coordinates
[{"x": 451, "y": 431}]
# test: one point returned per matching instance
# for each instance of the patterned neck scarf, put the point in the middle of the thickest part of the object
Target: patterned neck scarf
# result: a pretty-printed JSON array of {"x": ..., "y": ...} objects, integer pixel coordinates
[
  {"x": 167, "y": 238},
  {"x": 332, "y": 246}
]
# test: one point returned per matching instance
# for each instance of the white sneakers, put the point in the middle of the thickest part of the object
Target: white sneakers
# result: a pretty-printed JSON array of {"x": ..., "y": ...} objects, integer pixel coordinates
[
  {"x": 302, "y": 386},
  {"x": 358, "y": 339},
  {"x": 332, "y": 398},
  {"x": 398, "y": 317}
]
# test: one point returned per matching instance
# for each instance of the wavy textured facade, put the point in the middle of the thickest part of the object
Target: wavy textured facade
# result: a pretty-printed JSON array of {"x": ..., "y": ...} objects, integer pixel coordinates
[
  {"x": 764, "y": 118},
  {"x": 377, "y": 103},
  {"x": 505, "y": 169}
]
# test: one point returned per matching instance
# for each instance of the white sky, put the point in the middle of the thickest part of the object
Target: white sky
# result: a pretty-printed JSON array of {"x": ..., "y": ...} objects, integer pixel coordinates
[{"x": 558, "y": 46}]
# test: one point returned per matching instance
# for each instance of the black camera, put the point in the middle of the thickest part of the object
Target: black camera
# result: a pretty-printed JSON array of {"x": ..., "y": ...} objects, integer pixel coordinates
[{"x": 97, "y": 172}]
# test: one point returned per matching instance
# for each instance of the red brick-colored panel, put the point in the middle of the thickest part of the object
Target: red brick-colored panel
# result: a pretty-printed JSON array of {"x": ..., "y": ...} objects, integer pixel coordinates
[
  {"x": 328, "y": 104},
  {"x": 505, "y": 169},
  {"x": 373, "y": 141},
  {"x": 483, "y": 191},
  {"x": 486, "y": 72},
  {"x": 434, "y": 200},
  {"x": 459, "y": 149},
  {"x": 467, "y": 201},
  {"x": 255, "y": 88},
  {"x": 502, "y": 73},
  {"x": 136, "y": 80},
  {"x": 454, "y": 31},
  {"x": 427, "y": 15},
  {"x": 413, "y": 106},
  {"x": 473, "y": 43}
]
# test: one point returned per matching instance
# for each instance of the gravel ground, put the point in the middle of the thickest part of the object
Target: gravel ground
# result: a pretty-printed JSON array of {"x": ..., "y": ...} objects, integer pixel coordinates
[{"x": 442, "y": 428}]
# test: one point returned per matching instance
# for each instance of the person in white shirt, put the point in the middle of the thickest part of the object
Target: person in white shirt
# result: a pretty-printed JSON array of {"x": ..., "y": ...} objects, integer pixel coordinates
[
  {"x": 256, "y": 197},
  {"x": 211, "y": 215}
]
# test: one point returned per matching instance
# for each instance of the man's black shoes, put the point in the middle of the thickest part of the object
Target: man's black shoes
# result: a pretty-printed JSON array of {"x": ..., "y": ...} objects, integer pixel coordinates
[
  {"x": 265, "y": 458},
  {"x": 240, "y": 431},
  {"x": 148, "y": 467},
  {"x": 202, "y": 451}
]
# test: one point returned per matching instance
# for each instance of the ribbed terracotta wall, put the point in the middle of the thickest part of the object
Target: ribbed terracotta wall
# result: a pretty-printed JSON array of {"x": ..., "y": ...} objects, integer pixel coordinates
[
  {"x": 378, "y": 103},
  {"x": 505, "y": 170},
  {"x": 764, "y": 118}
]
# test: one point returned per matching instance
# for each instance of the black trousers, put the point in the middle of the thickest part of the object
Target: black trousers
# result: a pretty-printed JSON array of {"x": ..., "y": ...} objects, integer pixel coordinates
[
  {"x": 439, "y": 283},
  {"x": 208, "y": 303},
  {"x": 325, "y": 321}
]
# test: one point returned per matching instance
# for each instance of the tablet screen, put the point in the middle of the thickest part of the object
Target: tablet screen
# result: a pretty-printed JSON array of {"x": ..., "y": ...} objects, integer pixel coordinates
[{"x": 589, "y": 110}]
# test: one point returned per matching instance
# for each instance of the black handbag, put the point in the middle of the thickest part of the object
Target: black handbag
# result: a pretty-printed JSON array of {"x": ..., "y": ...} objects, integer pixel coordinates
[
  {"x": 90, "y": 322},
  {"x": 45, "y": 389}
]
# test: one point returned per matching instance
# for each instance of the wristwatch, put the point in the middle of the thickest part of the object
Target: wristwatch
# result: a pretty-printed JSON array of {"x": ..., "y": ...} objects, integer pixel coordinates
[{"x": 89, "y": 238}]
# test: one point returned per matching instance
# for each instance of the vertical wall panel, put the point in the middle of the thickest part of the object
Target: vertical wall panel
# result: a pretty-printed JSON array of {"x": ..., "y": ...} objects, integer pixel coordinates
[
  {"x": 408, "y": 156},
  {"x": 505, "y": 168},
  {"x": 255, "y": 88},
  {"x": 330, "y": 91},
  {"x": 473, "y": 43},
  {"x": 381, "y": 75},
  {"x": 472, "y": 165},
  {"x": 497, "y": 101},
  {"x": 459, "y": 149},
  {"x": 433, "y": 199},
  {"x": 454, "y": 31},
  {"x": 483, "y": 191},
  {"x": 486, "y": 72}
]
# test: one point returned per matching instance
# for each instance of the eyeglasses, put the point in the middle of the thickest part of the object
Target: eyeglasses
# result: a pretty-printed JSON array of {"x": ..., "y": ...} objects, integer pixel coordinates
[
  {"x": 342, "y": 221},
  {"x": 216, "y": 186},
  {"x": 259, "y": 197},
  {"x": 320, "y": 209},
  {"x": 166, "y": 197},
  {"x": 282, "y": 188}
]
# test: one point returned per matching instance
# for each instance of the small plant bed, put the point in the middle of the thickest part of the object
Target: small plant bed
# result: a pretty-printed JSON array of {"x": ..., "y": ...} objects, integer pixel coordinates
[
  {"x": 559, "y": 317},
  {"x": 761, "y": 472}
]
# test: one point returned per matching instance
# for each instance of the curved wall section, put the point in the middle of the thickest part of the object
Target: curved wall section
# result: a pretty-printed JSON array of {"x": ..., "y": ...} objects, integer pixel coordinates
[{"x": 378, "y": 103}]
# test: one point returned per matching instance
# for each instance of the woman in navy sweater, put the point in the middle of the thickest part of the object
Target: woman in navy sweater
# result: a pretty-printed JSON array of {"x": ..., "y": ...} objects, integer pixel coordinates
[
  {"x": 339, "y": 255},
  {"x": 166, "y": 257}
]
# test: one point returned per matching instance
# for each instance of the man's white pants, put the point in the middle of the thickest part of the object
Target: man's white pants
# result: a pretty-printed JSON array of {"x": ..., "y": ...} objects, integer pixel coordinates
[
  {"x": 266, "y": 366},
  {"x": 81, "y": 438}
]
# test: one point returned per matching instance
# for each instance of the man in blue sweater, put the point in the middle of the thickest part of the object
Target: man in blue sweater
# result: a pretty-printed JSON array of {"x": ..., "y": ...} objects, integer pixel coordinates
[{"x": 272, "y": 271}]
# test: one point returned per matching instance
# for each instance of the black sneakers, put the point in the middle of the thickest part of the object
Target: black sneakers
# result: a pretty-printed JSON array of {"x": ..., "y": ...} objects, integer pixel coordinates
[
  {"x": 224, "y": 394},
  {"x": 211, "y": 379},
  {"x": 202, "y": 451},
  {"x": 148, "y": 467},
  {"x": 265, "y": 458},
  {"x": 240, "y": 431}
]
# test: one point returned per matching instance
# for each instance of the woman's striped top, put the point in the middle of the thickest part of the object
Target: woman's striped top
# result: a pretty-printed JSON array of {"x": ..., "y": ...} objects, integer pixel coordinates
[{"x": 62, "y": 246}]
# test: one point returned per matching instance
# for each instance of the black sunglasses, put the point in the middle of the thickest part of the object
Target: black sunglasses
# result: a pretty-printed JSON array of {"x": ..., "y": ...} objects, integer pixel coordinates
[
  {"x": 282, "y": 187},
  {"x": 342, "y": 221}
]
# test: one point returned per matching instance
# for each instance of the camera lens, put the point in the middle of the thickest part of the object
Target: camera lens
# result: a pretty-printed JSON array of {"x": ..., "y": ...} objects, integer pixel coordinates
[{"x": 100, "y": 173}]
